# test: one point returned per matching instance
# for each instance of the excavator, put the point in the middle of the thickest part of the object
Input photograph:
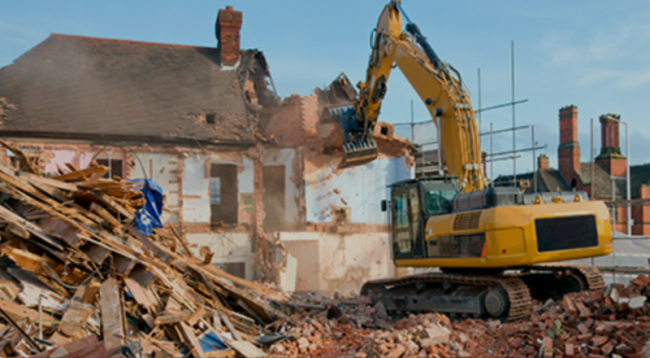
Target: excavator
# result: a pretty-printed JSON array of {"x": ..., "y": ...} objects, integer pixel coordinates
[{"x": 496, "y": 248}]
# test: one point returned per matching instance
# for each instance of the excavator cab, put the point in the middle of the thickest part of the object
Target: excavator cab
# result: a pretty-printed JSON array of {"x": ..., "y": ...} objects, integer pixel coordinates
[{"x": 412, "y": 203}]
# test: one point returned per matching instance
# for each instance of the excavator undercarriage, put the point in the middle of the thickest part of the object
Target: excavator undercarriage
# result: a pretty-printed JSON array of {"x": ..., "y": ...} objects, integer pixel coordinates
[{"x": 507, "y": 296}]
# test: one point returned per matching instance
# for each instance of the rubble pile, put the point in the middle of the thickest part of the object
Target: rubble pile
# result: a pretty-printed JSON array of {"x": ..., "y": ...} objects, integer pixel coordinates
[
  {"x": 77, "y": 278},
  {"x": 589, "y": 324}
]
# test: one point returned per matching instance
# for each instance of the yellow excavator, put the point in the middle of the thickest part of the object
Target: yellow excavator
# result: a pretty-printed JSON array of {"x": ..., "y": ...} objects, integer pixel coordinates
[{"x": 497, "y": 249}]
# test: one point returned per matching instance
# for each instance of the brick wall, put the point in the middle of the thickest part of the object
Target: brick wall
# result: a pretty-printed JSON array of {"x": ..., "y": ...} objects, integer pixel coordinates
[
  {"x": 615, "y": 166},
  {"x": 641, "y": 214},
  {"x": 227, "y": 31},
  {"x": 569, "y": 150}
]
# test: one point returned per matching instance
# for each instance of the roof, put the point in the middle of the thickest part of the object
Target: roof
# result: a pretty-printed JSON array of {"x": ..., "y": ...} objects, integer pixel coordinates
[
  {"x": 91, "y": 86},
  {"x": 603, "y": 181},
  {"x": 548, "y": 180}
]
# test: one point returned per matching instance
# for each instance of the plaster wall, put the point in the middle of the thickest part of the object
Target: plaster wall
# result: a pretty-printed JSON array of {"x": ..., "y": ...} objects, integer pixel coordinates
[
  {"x": 276, "y": 157},
  {"x": 163, "y": 169},
  {"x": 227, "y": 248},
  {"x": 329, "y": 263},
  {"x": 362, "y": 188}
]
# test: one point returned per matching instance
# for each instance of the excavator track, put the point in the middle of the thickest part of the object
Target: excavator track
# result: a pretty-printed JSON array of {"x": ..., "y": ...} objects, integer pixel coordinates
[
  {"x": 408, "y": 293},
  {"x": 519, "y": 299}
]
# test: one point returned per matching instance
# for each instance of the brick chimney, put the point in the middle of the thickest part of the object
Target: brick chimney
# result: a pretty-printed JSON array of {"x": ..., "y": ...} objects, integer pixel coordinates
[
  {"x": 542, "y": 162},
  {"x": 227, "y": 31},
  {"x": 569, "y": 150},
  {"x": 610, "y": 151}
]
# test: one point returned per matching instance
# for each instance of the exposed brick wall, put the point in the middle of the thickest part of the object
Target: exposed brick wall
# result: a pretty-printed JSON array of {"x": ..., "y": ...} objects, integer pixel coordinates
[
  {"x": 569, "y": 150},
  {"x": 609, "y": 134},
  {"x": 568, "y": 124},
  {"x": 227, "y": 31},
  {"x": 615, "y": 166},
  {"x": 641, "y": 214}
]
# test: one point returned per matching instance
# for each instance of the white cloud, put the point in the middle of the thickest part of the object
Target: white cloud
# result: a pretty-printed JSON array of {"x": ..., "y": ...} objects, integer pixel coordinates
[{"x": 616, "y": 53}]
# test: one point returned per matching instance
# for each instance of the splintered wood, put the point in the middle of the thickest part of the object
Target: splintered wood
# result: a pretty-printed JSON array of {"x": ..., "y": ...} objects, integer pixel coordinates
[{"x": 74, "y": 264}]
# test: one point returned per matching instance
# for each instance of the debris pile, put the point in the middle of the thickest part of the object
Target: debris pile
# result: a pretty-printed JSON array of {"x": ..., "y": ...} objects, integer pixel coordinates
[
  {"x": 77, "y": 278},
  {"x": 589, "y": 324}
]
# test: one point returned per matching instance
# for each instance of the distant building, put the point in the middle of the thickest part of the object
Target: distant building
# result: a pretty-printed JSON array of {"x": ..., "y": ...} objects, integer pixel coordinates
[{"x": 574, "y": 175}]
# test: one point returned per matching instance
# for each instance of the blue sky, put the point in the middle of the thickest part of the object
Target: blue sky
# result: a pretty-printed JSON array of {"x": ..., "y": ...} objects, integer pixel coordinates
[{"x": 587, "y": 53}]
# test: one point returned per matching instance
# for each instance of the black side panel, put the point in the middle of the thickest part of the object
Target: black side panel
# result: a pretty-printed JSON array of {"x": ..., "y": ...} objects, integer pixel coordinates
[{"x": 566, "y": 233}]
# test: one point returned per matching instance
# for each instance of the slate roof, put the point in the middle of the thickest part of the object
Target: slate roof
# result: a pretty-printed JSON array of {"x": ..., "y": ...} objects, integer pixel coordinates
[
  {"x": 547, "y": 180},
  {"x": 102, "y": 87},
  {"x": 603, "y": 182}
]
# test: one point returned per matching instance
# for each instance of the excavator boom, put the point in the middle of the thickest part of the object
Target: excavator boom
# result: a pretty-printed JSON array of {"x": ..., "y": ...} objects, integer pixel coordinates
[{"x": 437, "y": 83}]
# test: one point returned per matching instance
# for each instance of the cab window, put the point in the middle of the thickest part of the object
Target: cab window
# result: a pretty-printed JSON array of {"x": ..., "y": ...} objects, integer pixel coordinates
[{"x": 439, "y": 201}]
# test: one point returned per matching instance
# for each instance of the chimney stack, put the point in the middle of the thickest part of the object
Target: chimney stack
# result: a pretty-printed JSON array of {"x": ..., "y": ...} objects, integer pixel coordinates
[
  {"x": 569, "y": 150},
  {"x": 610, "y": 151},
  {"x": 227, "y": 30},
  {"x": 542, "y": 162}
]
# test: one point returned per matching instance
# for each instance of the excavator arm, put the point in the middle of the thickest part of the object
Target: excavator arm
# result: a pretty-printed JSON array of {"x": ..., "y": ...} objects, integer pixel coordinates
[{"x": 437, "y": 83}]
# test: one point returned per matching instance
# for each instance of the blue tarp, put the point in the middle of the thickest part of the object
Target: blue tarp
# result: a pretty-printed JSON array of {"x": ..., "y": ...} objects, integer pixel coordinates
[{"x": 148, "y": 217}]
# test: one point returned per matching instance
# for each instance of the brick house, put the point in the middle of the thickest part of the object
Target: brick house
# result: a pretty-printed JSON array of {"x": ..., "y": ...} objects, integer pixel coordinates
[
  {"x": 609, "y": 171},
  {"x": 237, "y": 164}
]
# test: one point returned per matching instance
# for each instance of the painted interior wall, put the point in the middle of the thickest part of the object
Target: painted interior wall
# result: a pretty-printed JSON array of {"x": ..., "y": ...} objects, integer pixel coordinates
[
  {"x": 163, "y": 169},
  {"x": 285, "y": 157},
  {"x": 362, "y": 188},
  {"x": 328, "y": 263},
  {"x": 227, "y": 247}
]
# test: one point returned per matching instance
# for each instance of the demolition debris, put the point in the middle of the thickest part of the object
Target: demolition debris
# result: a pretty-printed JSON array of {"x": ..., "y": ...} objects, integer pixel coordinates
[{"x": 78, "y": 279}]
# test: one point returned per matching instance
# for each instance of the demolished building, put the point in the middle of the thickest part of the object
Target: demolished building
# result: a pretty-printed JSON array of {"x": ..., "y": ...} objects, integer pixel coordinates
[{"x": 239, "y": 167}]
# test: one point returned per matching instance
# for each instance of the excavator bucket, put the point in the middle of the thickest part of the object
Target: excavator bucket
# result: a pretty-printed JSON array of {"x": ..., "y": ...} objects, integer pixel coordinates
[{"x": 357, "y": 149}]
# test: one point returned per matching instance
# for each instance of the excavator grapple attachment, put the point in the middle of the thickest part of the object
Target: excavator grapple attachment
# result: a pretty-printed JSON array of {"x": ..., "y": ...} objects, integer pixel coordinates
[
  {"x": 359, "y": 152},
  {"x": 358, "y": 145}
]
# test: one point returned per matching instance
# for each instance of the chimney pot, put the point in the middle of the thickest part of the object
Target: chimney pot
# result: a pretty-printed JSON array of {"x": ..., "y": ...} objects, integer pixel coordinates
[{"x": 229, "y": 8}]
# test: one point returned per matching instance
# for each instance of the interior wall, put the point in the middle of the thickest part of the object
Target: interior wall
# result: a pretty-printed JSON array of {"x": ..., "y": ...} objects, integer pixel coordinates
[
  {"x": 329, "y": 263},
  {"x": 163, "y": 169},
  {"x": 362, "y": 188},
  {"x": 227, "y": 248},
  {"x": 285, "y": 157}
]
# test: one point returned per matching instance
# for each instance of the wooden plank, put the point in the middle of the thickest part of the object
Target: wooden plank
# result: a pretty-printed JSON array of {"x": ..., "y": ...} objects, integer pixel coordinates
[
  {"x": 35, "y": 264},
  {"x": 123, "y": 265},
  {"x": 33, "y": 178},
  {"x": 19, "y": 312},
  {"x": 190, "y": 340},
  {"x": 62, "y": 229},
  {"x": 10, "y": 216},
  {"x": 143, "y": 275},
  {"x": 108, "y": 217},
  {"x": 233, "y": 331},
  {"x": 80, "y": 174},
  {"x": 160, "y": 254},
  {"x": 77, "y": 312},
  {"x": 98, "y": 254},
  {"x": 196, "y": 316},
  {"x": 112, "y": 313},
  {"x": 127, "y": 213},
  {"x": 247, "y": 349},
  {"x": 142, "y": 296},
  {"x": 91, "y": 291}
]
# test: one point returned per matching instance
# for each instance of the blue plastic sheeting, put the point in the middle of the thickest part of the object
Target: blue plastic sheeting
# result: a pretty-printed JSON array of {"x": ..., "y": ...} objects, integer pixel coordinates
[
  {"x": 148, "y": 217},
  {"x": 210, "y": 342}
]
